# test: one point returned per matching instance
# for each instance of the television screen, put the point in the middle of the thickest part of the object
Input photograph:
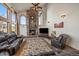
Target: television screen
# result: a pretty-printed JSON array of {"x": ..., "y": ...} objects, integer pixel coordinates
[{"x": 43, "y": 30}]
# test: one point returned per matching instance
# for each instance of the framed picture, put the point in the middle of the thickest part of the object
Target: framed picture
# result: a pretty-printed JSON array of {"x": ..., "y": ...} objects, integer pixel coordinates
[{"x": 59, "y": 25}]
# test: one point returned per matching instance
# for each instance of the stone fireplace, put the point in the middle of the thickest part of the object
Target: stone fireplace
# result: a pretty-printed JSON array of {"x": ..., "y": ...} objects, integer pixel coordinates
[
  {"x": 32, "y": 32},
  {"x": 33, "y": 21}
]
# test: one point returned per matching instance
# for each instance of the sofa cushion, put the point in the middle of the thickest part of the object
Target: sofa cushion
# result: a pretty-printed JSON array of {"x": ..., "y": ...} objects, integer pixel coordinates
[
  {"x": 2, "y": 33},
  {"x": 4, "y": 53},
  {"x": 2, "y": 38},
  {"x": 12, "y": 35},
  {"x": 10, "y": 40},
  {"x": 3, "y": 43},
  {"x": 4, "y": 47}
]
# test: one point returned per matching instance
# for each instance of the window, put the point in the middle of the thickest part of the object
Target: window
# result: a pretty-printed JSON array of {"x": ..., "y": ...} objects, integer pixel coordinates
[
  {"x": 13, "y": 18},
  {"x": 23, "y": 26},
  {"x": 3, "y": 11},
  {"x": 13, "y": 22},
  {"x": 3, "y": 26},
  {"x": 22, "y": 20},
  {"x": 40, "y": 18}
]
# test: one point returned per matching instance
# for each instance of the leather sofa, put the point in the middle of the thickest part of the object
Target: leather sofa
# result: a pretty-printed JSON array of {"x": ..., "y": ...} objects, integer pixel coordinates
[
  {"x": 60, "y": 41},
  {"x": 9, "y": 43}
]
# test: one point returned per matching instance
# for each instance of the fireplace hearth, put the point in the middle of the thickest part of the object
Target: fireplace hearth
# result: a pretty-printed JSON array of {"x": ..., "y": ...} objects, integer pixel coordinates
[{"x": 32, "y": 32}]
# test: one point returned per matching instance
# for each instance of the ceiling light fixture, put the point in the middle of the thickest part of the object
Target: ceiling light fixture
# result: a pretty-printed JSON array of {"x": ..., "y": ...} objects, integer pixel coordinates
[{"x": 37, "y": 8}]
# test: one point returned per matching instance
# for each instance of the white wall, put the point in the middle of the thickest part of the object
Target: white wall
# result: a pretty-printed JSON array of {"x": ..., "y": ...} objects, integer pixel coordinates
[{"x": 71, "y": 21}]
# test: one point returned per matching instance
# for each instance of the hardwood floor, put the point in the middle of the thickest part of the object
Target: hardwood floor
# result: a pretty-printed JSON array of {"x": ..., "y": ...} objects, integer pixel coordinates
[{"x": 21, "y": 49}]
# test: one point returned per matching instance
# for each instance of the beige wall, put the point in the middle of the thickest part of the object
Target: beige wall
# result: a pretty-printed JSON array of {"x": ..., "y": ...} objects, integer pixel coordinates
[{"x": 71, "y": 21}]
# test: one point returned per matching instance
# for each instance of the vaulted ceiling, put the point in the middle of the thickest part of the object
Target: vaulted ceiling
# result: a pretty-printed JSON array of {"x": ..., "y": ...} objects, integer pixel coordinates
[{"x": 18, "y": 7}]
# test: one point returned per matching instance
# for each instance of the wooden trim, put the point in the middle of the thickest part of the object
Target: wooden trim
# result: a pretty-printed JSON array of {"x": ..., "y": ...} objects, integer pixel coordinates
[
  {"x": 17, "y": 25},
  {"x": 9, "y": 8}
]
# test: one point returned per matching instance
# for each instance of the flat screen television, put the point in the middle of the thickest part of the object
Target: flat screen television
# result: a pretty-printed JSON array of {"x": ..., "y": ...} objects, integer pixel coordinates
[{"x": 43, "y": 30}]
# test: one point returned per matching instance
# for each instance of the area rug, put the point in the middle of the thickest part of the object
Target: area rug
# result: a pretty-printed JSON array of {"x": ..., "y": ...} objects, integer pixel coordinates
[{"x": 35, "y": 46}]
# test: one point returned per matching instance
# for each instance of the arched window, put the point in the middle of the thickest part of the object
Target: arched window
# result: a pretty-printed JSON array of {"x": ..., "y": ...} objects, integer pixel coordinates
[
  {"x": 3, "y": 11},
  {"x": 22, "y": 20},
  {"x": 23, "y": 27}
]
